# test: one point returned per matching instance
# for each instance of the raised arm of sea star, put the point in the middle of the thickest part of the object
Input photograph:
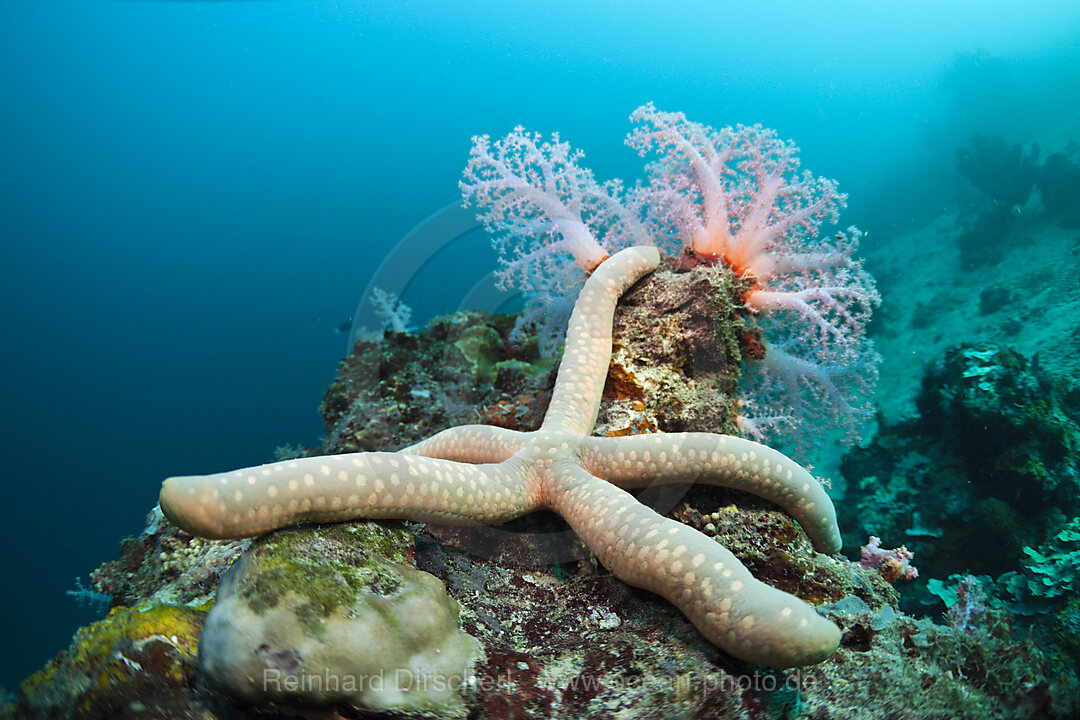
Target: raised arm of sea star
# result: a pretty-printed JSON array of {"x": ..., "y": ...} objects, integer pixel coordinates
[{"x": 478, "y": 474}]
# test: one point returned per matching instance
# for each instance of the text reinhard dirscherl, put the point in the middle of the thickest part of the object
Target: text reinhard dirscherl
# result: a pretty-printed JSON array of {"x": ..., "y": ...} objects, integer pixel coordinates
[{"x": 278, "y": 682}]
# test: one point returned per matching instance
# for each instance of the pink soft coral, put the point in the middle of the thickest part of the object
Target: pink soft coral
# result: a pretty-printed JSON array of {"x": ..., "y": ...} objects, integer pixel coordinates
[
  {"x": 736, "y": 196},
  {"x": 892, "y": 564}
]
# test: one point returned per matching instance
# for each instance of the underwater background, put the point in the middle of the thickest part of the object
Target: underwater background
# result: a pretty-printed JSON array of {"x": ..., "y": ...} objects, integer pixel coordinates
[{"x": 194, "y": 196}]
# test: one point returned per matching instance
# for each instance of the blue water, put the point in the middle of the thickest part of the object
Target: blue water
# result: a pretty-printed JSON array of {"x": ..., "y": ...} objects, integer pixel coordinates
[{"x": 193, "y": 195}]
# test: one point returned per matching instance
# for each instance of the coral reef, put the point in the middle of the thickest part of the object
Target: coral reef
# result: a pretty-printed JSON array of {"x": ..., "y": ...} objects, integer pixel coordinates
[
  {"x": 1003, "y": 172},
  {"x": 1059, "y": 181},
  {"x": 1028, "y": 300},
  {"x": 563, "y": 638},
  {"x": 556, "y": 635},
  {"x": 995, "y": 444},
  {"x": 1005, "y": 176},
  {"x": 1052, "y": 572},
  {"x": 397, "y": 389},
  {"x": 165, "y": 566}
]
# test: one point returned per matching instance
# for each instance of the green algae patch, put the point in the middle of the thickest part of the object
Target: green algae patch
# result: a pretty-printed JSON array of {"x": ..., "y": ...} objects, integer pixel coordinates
[
  {"x": 478, "y": 349},
  {"x": 328, "y": 567}
]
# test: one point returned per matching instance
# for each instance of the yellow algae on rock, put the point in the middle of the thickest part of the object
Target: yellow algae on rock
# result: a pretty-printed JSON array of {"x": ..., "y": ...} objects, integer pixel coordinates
[{"x": 136, "y": 652}]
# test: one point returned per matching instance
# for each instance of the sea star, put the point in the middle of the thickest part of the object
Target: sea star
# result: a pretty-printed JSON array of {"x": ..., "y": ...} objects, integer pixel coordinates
[{"x": 478, "y": 474}]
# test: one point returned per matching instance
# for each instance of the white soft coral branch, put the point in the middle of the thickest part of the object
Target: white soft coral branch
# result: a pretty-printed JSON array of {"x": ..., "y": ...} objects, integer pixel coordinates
[
  {"x": 824, "y": 390},
  {"x": 835, "y": 310},
  {"x": 541, "y": 205},
  {"x": 536, "y": 189}
]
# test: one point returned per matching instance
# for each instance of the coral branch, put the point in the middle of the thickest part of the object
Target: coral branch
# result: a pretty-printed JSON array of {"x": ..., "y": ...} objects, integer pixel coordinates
[{"x": 737, "y": 196}]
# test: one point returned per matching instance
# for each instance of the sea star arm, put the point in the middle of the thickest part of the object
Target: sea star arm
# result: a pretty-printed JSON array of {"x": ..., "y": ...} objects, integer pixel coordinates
[
  {"x": 253, "y": 501},
  {"x": 701, "y": 577},
  {"x": 639, "y": 460},
  {"x": 470, "y": 443},
  {"x": 575, "y": 400}
]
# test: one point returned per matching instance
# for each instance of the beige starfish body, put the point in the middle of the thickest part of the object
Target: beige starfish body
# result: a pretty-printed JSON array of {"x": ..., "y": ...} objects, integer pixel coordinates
[{"x": 480, "y": 474}]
